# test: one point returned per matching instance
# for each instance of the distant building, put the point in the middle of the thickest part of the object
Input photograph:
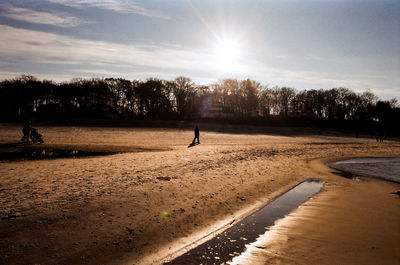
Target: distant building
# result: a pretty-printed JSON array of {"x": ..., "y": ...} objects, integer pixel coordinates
[
  {"x": 256, "y": 112},
  {"x": 210, "y": 108}
]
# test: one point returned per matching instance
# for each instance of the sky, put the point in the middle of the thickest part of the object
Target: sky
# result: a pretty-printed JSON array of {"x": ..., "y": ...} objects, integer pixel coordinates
[{"x": 301, "y": 44}]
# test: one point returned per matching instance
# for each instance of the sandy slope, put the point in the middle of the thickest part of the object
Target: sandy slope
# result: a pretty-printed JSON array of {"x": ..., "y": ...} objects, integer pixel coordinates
[{"x": 109, "y": 209}]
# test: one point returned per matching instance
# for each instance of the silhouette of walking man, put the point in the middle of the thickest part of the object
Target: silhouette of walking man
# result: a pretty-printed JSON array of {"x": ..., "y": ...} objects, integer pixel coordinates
[
  {"x": 196, "y": 135},
  {"x": 26, "y": 132}
]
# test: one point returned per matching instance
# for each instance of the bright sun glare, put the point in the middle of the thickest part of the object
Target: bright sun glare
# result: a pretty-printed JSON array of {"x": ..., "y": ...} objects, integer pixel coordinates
[{"x": 227, "y": 53}]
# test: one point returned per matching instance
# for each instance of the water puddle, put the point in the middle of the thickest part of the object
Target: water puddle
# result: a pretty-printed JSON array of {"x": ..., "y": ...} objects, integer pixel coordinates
[
  {"x": 232, "y": 242},
  {"x": 349, "y": 175},
  {"x": 37, "y": 154},
  {"x": 387, "y": 168}
]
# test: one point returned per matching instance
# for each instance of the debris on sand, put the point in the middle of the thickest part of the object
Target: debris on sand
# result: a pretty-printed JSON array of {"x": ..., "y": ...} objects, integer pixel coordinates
[
  {"x": 396, "y": 193},
  {"x": 164, "y": 178}
]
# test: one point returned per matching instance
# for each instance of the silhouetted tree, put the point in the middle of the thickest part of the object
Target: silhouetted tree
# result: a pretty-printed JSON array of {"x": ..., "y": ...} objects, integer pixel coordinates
[
  {"x": 265, "y": 101},
  {"x": 285, "y": 97},
  {"x": 183, "y": 91},
  {"x": 154, "y": 99},
  {"x": 249, "y": 90}
]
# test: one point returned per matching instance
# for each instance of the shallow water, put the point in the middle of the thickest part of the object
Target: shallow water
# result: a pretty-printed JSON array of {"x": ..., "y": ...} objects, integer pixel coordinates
[
  {"x": 232, "y": 242},
  {"x": 36, "y": 154},
  {"x": 385, "y": 168}
]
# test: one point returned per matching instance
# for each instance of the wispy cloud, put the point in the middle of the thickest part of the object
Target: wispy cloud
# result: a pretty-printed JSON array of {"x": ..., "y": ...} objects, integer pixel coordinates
[
  {"x": 120, "y": 6},
  {"x": 39, "y": 47},
  {"x": 57, "y": 78},
  {"x": 32, "y": 16}
]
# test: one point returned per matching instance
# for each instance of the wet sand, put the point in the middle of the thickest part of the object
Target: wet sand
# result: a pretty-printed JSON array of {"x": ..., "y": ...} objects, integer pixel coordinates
[
  {"x": 109, "y": 209},
  {"x": 351, "y": 222},
  {"x": 234, "y": 240}
]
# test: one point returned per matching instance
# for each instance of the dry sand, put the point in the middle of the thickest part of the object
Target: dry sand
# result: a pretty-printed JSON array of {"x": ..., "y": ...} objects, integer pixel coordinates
[{"x": 108, "y": 210}]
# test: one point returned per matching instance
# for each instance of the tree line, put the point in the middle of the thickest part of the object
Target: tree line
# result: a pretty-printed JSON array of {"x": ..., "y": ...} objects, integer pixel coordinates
[{"x": 27, "y": 97}]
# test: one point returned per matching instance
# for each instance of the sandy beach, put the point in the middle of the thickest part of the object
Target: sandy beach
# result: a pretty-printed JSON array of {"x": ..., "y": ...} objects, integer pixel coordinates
[{"x": 156, "y": 196}]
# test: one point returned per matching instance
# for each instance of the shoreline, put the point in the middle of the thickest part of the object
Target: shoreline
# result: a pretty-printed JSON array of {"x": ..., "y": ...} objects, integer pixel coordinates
[
  {"x": 364, "y": 170},
  {"x": 170, "y": 252},
  {"x": 233, "y": 240},
  {"x": 313, "y": 227}
]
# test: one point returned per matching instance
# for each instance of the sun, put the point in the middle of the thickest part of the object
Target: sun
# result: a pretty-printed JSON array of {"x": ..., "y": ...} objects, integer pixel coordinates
[{"x": 227, "y": 53}]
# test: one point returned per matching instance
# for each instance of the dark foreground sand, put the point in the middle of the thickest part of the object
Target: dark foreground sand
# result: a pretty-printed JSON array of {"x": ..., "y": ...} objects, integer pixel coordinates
[{"x": 109, "y": 210}]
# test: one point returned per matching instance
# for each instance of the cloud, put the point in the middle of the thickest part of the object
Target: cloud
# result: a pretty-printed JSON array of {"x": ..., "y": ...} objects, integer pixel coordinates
[
  {"x": 119, "y": 6},
  {"x": 28, "y": 46},
  {"x": 39, "y": 17},
  {"x": 15, "y": 74}
]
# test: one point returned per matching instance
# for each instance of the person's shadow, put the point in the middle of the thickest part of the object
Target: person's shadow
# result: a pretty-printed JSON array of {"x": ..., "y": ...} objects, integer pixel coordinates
[{"x": 192, "y": 144}]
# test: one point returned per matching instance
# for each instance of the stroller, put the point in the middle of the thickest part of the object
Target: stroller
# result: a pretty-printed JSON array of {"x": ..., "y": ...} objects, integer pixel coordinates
[{"x": 35, "y": 136}]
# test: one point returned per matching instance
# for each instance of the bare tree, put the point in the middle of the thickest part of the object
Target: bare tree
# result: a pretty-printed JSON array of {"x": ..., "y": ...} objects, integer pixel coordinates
[
  {"x": 183, "y": 90},
  {"x": 285, "y": 96}
]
